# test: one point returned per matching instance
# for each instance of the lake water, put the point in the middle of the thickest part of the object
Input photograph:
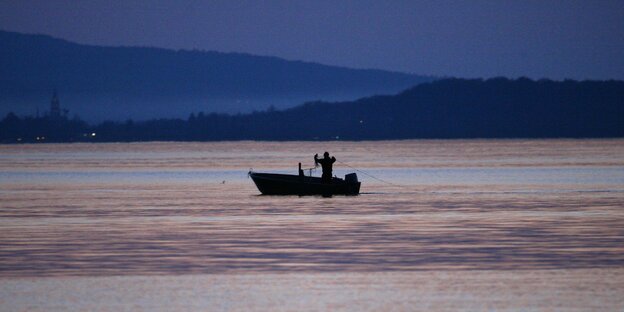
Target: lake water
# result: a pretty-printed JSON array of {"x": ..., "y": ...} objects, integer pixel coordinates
[{"x": 439, "y": 225}]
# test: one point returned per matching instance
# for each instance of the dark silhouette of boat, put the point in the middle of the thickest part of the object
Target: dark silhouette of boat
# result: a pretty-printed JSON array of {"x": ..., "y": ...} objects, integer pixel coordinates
[{"x": 290, "y": 184}]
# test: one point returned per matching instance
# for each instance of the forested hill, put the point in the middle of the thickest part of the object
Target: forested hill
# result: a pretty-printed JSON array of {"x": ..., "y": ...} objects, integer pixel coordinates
[
  {"x": 450, "y": 108},
  {"x": 138, "y": 82},
  {"x": 459, "y": 108}
]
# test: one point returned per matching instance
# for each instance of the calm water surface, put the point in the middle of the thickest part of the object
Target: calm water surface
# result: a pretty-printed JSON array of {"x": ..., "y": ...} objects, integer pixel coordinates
[{"x": 492, "y": 224}]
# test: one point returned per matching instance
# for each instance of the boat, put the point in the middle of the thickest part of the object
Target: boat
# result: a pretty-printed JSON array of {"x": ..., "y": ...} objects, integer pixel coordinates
[{"x": 291, "y": 184}]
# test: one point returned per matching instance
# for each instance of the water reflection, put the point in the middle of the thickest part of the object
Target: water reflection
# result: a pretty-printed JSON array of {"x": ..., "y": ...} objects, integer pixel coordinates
[{"x": 162, "y": 208}]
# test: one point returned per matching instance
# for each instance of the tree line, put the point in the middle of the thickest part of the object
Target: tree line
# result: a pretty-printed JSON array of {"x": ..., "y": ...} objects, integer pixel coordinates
[{"x": 449, "y": 108}]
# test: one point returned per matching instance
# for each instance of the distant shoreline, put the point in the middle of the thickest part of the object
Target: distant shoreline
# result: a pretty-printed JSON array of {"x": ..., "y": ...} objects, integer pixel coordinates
[
  {"x": 320, "y": 141},
  {"x": 443, "y": 109}
]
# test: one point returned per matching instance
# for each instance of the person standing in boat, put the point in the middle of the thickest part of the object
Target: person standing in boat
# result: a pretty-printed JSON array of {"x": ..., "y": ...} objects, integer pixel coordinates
[{"x": 327, "y": 164}]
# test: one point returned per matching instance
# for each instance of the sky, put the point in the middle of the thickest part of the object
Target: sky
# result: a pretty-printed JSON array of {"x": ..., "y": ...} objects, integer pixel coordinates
[{"x": 536, "y": 39}]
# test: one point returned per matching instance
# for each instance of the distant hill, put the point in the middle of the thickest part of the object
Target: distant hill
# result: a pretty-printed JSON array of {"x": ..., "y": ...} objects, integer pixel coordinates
[
  {"x": 461, "y": 108},
  {"x": 138, "y": 82},
  {"x": 449, "y": 108}
]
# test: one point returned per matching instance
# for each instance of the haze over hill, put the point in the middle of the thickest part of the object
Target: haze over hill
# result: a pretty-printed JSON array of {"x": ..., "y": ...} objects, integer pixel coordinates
[
  {"x": 116, "y": 83},
  {"x": 448, "y": 108}
]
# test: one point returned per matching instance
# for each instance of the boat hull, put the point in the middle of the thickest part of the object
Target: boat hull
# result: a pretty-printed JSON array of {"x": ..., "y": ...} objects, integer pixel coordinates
[{"x": 286, "y": 184}]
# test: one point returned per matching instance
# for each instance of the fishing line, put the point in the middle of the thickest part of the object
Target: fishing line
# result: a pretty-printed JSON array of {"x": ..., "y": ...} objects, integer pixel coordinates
[{"x": 369, "y": 175}]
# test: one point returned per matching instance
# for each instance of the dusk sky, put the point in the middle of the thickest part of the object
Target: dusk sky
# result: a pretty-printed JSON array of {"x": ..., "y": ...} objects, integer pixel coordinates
[{"x": 537, "y": 39}]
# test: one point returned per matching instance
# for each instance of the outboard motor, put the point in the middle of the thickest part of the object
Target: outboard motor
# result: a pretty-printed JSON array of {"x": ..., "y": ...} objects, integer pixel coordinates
[{"x": 351, "y": 178}]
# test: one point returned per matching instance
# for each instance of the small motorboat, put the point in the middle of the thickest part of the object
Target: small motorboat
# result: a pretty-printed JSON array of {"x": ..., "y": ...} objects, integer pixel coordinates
[{"x": 290, "y": 184}]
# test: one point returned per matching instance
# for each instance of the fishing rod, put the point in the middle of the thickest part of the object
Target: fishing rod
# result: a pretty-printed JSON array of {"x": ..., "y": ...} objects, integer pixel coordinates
[{"x": 362, "y": 172}]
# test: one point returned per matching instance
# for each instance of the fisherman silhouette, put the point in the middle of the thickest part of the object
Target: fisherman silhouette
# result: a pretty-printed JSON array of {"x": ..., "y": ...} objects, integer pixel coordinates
[{"x": 327, "y": 164}]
